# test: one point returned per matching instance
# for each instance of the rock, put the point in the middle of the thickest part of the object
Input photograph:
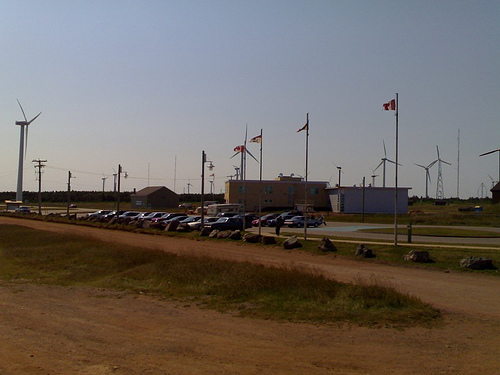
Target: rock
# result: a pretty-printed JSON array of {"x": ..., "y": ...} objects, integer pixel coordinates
[
  {"x": 214, "y": 233},
  {"x": 155, "y": 225},
  {"x": 146, "y": 223},
  {"x": 172, "y": 226},
  {"x": 224, "y": 234},
  {"x": 418, "y": 256},
  {"x": 268, "y": 240},
  {"x": 364, "y": 252},
  {"x": 205, "y": 231},
  {"x": 252, "y": 238},
  {"x": 291, "y": 243},
  {"x": 477, "y": 263},
  {"x": 326, "y": 245},
  {"x": 235, "y": 235},
  {"x": 183, "y": 227}
]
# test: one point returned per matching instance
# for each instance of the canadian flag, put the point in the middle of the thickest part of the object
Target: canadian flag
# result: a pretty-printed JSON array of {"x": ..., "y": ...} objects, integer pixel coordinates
[
  {"x": 240, "y": 148},
  {"x": 390, "y": 105}
]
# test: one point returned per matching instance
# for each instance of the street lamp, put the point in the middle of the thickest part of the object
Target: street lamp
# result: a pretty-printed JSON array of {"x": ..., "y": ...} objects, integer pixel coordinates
[{"x": 210, "y": 168}]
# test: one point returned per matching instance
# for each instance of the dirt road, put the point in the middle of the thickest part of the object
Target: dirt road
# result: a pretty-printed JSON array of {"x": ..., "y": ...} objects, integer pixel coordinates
[{"x": 55, "y": 330}]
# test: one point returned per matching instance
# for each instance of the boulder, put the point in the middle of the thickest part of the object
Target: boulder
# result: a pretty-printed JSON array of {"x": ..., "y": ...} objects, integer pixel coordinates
[
  {"x": 292, "y": 243},
  {"x": 183, "y": 227},
  {"x": 214, "y": 233},
  {"x": 418, "y": 256},
  {"x": 224, "y": 234},
  {"x": 205, "y": 231},
  {"x": 252, "y": 238},
  {"x": 155, "y": 225},
  {"x": 146, "y": 223},
  {"x": 477, "y": 263},
  {"x": 364, "y": 252},
  {"x": 172, "y": 226},
  {"x": 235, "y": 235},
  {"x": 268, "y": 240},
  {"x": 326, "y": 245}
]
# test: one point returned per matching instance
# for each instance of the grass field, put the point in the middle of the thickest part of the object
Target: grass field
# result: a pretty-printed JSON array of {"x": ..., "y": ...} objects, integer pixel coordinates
[{"x": 251, "y": 290}]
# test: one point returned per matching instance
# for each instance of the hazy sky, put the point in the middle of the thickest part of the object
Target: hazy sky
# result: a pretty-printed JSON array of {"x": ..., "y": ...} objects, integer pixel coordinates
[{"x": 145, "y": 83}]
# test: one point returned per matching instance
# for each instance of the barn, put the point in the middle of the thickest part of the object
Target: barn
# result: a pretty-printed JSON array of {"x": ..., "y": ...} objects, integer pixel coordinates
[
  {"x": 154, "y": 198},
  {"x": 495, "y": 193}
]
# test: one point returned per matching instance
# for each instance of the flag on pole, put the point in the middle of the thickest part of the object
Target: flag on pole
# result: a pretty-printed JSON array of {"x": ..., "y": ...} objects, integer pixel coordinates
[
  {"x": 239, "y": 148},
  {"x": 256, "y": 139},
  {"x": 303, "y": 128},
  {"x": 390, "y": 105}
]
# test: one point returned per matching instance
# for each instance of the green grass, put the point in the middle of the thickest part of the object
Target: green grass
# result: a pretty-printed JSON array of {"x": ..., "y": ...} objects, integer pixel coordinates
[{"x": 240, "y": 288}]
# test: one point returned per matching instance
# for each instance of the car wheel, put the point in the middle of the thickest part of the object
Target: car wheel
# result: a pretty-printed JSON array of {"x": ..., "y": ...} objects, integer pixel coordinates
[
  {"x": 299, "y": 225},
  {"x": 316, "y": 225}
]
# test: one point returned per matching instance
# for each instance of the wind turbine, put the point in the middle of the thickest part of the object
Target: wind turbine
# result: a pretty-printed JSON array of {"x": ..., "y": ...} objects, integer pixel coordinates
[
  {"x": 427, "y": 176},
  {"x": 340, "y": 172},
  {"x": 373, "y": 178},
  {"x": 23, "y": 148},
  {"x": 242, "y": 149},
  {"x": 104, "y": 178},
  {"x": 491, "y": 152},
  {"x": 384, "y": 160},
  {"x": 440, "y": 187}
]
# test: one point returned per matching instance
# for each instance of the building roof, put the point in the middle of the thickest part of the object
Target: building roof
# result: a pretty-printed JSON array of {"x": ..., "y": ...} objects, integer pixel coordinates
[
  {"x": 149, "y": 190},
  {"x": 496, "y": 187}
]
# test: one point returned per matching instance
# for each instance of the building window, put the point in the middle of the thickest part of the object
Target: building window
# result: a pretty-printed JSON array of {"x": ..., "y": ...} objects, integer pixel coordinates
[
  {"x": 241, "y": 189},
  {"x": 268, "y": 189},
  {"x": 268, "y": 201},
  {"x": 291, "y": 190},
  {"x": 314, "y": 191}
]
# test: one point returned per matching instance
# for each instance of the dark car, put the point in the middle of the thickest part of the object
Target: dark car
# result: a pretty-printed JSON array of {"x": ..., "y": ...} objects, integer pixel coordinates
[
  {"x": 227, "y": 223},
  {"x": 264, "y": 219}
]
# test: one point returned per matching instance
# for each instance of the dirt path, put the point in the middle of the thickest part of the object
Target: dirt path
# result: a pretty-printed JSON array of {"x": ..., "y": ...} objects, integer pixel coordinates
[{"x": 55, "y": 330}]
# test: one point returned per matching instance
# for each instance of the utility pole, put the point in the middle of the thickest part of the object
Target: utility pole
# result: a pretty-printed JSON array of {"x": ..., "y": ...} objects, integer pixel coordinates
[
  {"x": 70, "y": 176},
  {"x": 39, "y": 166}
]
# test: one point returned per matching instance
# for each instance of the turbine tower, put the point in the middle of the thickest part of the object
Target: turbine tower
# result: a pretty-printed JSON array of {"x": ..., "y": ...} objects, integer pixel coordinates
[
  {"x": 440, "y": 187},
  {"x": 427, "y": 176},
  {"x": 23, "y": 148},
  {"x": 384, "y": 160}
]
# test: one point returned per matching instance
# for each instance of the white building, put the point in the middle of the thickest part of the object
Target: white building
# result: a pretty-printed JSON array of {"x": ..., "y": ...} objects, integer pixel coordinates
[{"x": 377, "y": 200}]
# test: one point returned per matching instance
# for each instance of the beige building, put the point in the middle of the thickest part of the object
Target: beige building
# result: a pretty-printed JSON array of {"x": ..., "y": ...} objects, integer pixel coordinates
[{"x": 281, "y": 193}]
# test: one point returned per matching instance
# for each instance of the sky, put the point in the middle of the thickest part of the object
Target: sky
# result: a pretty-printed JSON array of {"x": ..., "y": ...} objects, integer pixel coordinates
[{"x": 151, "y": 84}]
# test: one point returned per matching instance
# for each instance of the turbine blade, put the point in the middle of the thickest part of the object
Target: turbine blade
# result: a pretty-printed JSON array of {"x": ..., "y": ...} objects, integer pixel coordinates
[
  {"x": 34, "y": 118},
  {"x": 419, "y": 165},
  {"x": 22, "y": 110},
  {"x": 490, "y": 152},
  {"x": 437, "y": 148},
  {"x": 251, "y": 155},
  {"x": 382, "y": 162},
  {"x": 432, "y": 164},
  {"x": 445, "y": 162},
  {"x": 385, "y": 151},
  {"x": 428, "y": 175},
  {"x": 234, "y": 155}
]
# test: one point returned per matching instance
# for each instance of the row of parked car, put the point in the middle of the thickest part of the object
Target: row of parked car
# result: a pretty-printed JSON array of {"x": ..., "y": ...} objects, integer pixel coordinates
[
  {"x": 292, "y": 219},
  {"x": 223, "y": 221}
]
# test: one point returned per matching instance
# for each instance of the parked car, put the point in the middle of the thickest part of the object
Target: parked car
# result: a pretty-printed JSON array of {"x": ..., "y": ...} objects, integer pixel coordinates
[
  {"x": 153, "y": 215},
  {"x": 132, "y": 215},
  {"x": 227, "y": 223},
  {"x": 298, "y": 222},
  {"x": 112, "y": 214},
  {"x": 98, "y": 214},
  {"x": 23, "y": 210},
  {"x": 285, "y": 216},
  {"x": 227, "y": 214},
  {"x": 190, "y": 219},
  {"x": 264, "y": 220},
  {"x": 196, "y": 225}
]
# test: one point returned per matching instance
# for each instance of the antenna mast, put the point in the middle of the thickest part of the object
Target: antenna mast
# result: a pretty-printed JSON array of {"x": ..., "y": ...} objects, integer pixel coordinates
[{"x": 458, "y": 165}]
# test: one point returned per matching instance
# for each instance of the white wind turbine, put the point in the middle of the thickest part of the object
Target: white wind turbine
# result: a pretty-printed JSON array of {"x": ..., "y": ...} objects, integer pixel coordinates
[
  {"x": 440, "y": 186},
  {"x": 23, "y": 148},
  {"x": 427, "y": 176},
  {"x": 384, "y": 160}
]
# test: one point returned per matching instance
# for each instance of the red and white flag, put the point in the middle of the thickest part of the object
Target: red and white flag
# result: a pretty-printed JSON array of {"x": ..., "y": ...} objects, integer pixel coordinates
[
  {"x": 390, "y": 105},
  {"x": 256, "y": 139},
  {"x": 240, "y": 148}
]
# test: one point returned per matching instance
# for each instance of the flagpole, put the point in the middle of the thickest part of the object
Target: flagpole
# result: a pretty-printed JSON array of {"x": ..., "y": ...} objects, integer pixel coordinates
[
  {"x": 396, "y": 179},
  {"x": 203, "y": 160},
  {"x": 260, "y": 184},
  {"x": 305, "y": 190}
]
